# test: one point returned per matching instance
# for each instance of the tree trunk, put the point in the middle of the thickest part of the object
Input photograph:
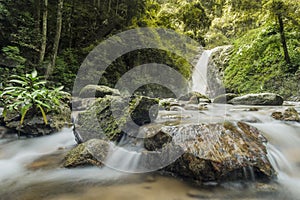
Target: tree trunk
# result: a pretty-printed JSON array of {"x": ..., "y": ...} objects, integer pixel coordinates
[
  {"x": 37, "y": 5},
  {"x": 44, "y": 32},
  {"x": 56, "y": 39},
  {"x": 283, "y": 40},
  {"x": 70, "y": 25}
]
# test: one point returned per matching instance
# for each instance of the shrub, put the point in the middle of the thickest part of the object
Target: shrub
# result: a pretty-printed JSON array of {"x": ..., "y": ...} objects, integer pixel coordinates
[{"x": 29, "y": 93}]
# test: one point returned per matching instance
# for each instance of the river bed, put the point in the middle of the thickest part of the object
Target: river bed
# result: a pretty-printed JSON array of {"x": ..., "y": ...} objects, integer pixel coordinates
[{"x": 30, "y": 169}]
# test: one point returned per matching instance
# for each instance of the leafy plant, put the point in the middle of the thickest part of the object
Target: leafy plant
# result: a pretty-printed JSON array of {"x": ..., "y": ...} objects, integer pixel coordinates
[{"x": 29, "y": 92}]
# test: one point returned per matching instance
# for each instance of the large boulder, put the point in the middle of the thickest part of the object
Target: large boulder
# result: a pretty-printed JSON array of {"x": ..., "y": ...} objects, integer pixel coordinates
[
  {"x": 216, "y": 152},
  {"x": 263, "y": 99},
  {"x": 90, "y": 153},
  {"x": 110, "y": 117},
  {"x": 34, "y": 124},
  {"x": 97, "y": 91}
]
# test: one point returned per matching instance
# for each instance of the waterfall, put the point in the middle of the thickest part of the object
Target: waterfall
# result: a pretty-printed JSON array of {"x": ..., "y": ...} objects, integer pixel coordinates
[{"x": 199, "y": 78}]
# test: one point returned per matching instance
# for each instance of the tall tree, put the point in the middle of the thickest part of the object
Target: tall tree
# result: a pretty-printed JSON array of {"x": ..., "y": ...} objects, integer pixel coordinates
[
  {"x": 44, "y": 32},
  {"x": 278, "y": 8},
  {"x": 51, "y": 65}
]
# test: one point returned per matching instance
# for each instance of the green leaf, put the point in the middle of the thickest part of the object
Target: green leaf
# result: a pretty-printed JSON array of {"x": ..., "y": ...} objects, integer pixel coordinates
[
  {"x": 24, "y": 110},
  {"x": 40, "y": 103},
  {"x": 18, "y": 82},
  {"x": 34, "y": 74},
  {"x": 43, "y": 114}
]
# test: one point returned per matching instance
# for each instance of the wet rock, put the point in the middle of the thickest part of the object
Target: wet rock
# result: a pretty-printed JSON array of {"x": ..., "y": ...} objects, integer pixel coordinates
[
  {"x": 109, "y": 117},
  {"x": 266, "y": 99},
  {"x": 34, "y": 124},
  {"x": 216, "y": 152},
  {"x": 290, "y": 114},
  {"x": 194, "y": 97},
  {"x": 224, "y": 98},
  {"x": 97, "y": 91},
  {"x": 90, "y": 153},
  {"x": 79, "y": 104},
  {"x": 166, "y": 104}
]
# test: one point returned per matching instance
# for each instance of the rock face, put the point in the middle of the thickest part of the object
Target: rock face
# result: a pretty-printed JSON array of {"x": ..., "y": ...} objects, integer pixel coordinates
[
  {"x": 98, "y": 91},
  {"x": 217, "y": 64},
  {"x": 34, "y": 124},
  {"x": 290, "y": 114},
  {"x": 110, "y": 116},
  {"x": 215, "y": 152},
  {"x": 265, "y": 99},
  {"x": 224, "y": 98},
  {"x": 87, "y": 154}
]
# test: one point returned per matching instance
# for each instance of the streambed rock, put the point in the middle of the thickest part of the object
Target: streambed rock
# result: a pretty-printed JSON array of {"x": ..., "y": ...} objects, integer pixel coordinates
[
  {"x": 290, "y": 114},
  {"x": 216, "y": 152},
  {"x": 90, "y": 153},
  {"x": 263, "y": 99},
  {"x": 109, "y": 117}
]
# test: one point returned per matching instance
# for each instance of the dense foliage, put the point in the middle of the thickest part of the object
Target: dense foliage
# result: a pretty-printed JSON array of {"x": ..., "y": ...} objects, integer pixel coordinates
[{"x": 54, "y": 37}]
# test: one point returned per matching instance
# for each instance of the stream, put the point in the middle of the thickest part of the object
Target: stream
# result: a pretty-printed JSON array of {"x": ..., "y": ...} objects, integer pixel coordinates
[{"x": 31, "y": 168}]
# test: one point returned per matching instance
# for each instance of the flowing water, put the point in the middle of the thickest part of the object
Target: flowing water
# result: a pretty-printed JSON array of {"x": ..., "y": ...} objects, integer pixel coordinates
[
  {"x": 27, "y": 171},
  {"x": 199, "y": 78}
]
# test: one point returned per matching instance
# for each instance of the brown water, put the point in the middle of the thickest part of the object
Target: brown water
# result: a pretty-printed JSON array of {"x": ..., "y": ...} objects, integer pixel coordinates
[{"x": 31, "y": 169}]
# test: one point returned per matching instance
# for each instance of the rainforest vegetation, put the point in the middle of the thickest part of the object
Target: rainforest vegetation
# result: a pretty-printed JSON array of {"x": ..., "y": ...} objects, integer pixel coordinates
[{"x": 54, "y": 37}]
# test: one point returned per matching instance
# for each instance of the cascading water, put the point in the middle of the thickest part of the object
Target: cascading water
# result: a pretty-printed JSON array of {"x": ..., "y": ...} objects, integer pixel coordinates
[{"x": 199, "y": 77}]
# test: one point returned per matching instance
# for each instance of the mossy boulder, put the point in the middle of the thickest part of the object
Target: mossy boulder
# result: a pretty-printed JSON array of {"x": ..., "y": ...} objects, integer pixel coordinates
[
  {"x": 216, "y": 151},
  {"x": 90, "y": 153},
  {"x": 110, "y": 117},
  {"x": 34, "y": 124},
  {"x": 263, "y": 99},
  {"x": 97, "y": 91}
]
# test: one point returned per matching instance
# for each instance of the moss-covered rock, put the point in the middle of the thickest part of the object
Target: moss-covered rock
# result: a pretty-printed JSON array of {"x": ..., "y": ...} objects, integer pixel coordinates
[
  {"x": 98, "y": 91},
  {"x": 112, "y": 116},
  {"x": 90, "y": 153}
]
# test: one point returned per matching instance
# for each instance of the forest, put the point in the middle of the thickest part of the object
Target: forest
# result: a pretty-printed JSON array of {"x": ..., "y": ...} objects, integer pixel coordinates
[{"x": 54, "y": 37}]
